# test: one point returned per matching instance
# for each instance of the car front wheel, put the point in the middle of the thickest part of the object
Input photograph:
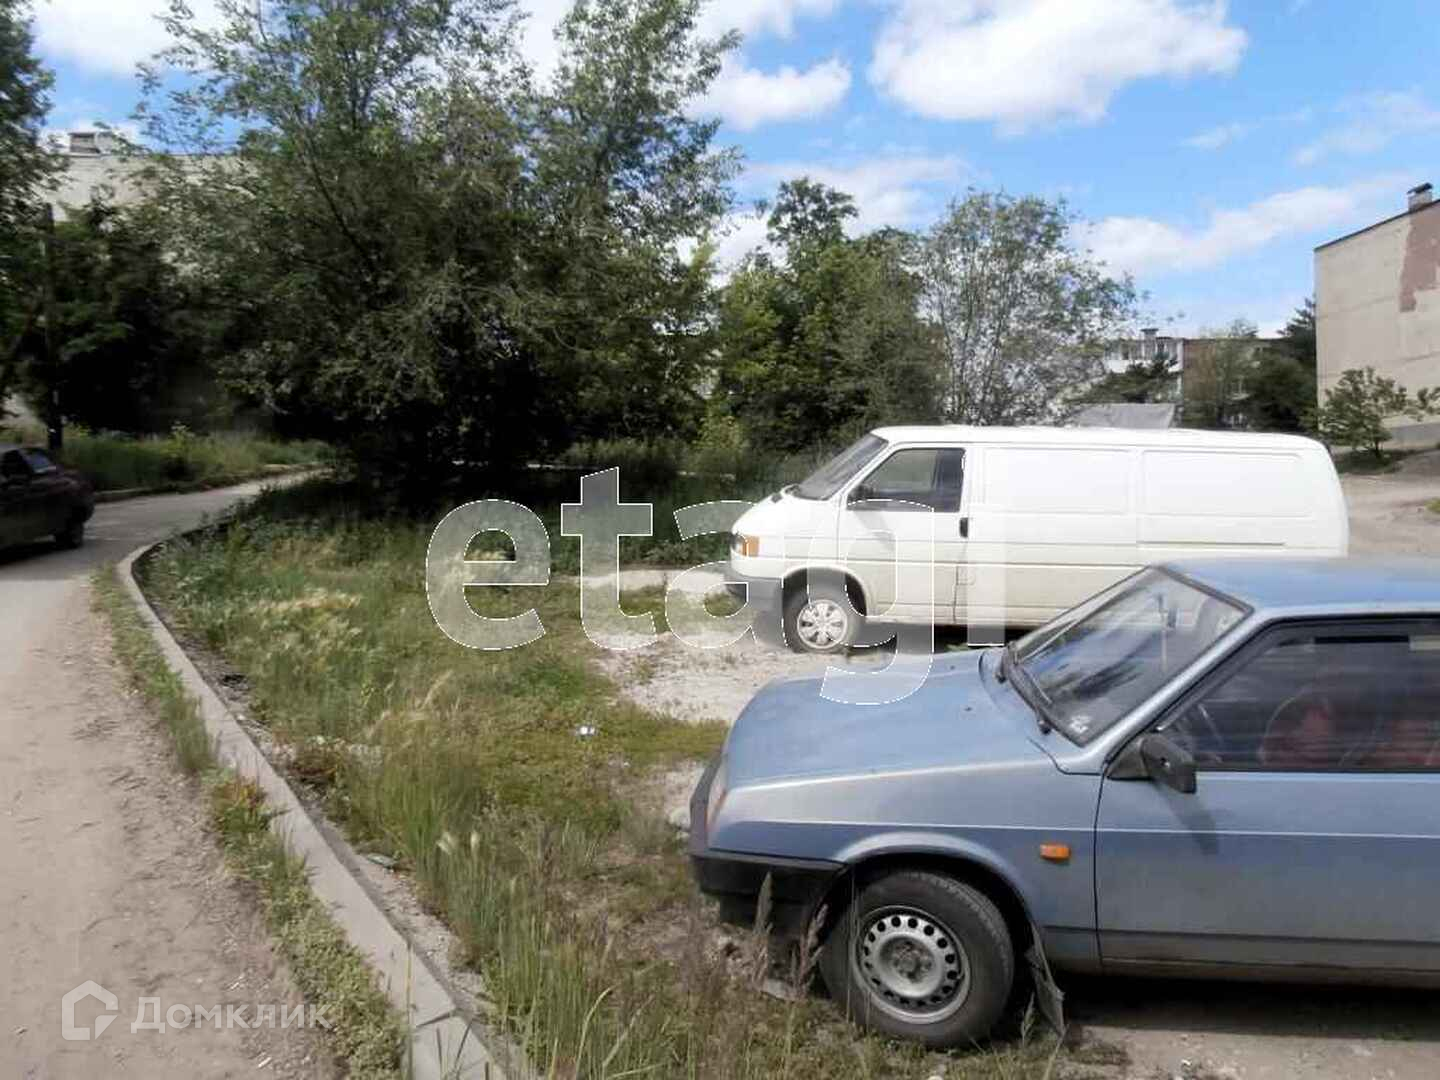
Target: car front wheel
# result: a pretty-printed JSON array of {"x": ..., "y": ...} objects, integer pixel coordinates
[
  {"x": 921, "y": 956},
  {"x": 72, "y": 536}
]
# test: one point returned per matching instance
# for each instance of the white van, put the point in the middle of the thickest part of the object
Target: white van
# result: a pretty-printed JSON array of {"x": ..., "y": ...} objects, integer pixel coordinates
[{"x": 1023, "y": 523}]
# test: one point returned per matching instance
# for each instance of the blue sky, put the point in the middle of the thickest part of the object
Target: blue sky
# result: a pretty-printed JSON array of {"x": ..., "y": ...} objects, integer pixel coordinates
[{"x": 1208, "y": 147}]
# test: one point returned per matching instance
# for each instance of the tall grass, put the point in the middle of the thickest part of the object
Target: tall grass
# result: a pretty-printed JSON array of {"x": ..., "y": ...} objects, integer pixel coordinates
[
  {"x": 364, "y": 1031},
  {"x": 181, "y": 459},
  {"x": 531, "y": 836}
]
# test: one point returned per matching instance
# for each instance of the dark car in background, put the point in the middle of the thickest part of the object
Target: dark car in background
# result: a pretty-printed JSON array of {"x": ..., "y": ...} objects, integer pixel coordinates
[{"x": 39, "y": 498}]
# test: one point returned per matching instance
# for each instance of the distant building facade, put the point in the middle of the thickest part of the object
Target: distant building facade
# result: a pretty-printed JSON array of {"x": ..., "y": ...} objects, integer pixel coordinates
[
  {"x": 1198, "y": 364},
  {"x": 95, "y": 162},
  {"x": 1377, "y": 304}
]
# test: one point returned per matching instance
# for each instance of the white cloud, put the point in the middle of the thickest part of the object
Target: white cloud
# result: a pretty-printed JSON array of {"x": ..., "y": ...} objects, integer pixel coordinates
[
  {"x": 1374, "y": 122},
  {"x": 754, "y": 17},
  {"x": 1147, "y": 246},
  {"x": 1022, "y": 62},
  {"x": 748, "y": 98},
  {"x": 750, "y": 17},
  {"x": 107, "y": 36},
  {"x": 900, "y": 190},
  {"x": 1219, "y": 137}
]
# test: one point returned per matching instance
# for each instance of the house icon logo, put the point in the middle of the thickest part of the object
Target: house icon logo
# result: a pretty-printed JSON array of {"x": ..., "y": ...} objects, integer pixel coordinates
[{"x": 68, "y": 1030}]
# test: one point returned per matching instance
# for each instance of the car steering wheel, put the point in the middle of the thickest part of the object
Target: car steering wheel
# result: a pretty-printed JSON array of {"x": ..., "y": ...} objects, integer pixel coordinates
[{"x": 1208, "y": 729}]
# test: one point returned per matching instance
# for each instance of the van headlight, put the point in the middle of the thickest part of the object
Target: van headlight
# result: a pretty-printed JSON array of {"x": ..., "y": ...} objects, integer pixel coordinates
[{"x": 747, "y": 546}]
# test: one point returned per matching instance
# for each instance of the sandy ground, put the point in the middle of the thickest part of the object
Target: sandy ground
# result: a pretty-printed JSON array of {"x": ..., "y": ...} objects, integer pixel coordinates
[
  {"x": 1195, "y": 1031},
  {"x": 109, "y": 874}
]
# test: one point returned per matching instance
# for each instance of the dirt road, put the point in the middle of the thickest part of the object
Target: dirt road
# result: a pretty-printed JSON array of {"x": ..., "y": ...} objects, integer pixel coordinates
[{"x": 108, "y": 875}]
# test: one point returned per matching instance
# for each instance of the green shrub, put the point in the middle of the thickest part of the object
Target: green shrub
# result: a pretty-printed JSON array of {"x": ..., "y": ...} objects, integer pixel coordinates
[{"x": 119, "y": 462}]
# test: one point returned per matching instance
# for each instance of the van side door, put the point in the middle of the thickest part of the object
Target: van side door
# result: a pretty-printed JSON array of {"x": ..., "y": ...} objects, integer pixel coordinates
[{"x": 901, "y": 531}]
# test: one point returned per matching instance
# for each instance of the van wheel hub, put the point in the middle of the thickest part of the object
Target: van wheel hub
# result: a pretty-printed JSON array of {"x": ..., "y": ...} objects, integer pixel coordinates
[
  {"x": 822, "y": 623},
  {"x": 912, "y": 965}
]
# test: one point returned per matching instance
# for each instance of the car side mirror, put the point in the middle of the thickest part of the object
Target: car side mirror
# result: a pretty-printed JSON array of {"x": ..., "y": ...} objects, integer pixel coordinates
[{"x": 1168, "y": 763}]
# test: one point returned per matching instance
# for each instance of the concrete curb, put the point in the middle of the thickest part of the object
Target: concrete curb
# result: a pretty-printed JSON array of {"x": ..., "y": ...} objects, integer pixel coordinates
[{"x": 443, "y": 1044}]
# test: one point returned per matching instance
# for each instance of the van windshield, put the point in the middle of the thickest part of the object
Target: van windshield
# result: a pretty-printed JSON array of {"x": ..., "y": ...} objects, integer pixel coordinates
[
  {"x": 831, "y": 477},
  {"x": 1097, "y": 662}
]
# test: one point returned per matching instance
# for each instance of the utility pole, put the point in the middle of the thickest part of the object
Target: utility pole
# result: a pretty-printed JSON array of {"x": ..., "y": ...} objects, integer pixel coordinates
[{"x": 54, "y": 420}]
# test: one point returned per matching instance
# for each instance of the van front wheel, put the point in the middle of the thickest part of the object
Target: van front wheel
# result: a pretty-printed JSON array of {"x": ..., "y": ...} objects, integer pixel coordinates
[{"x": 820, "y": 619}]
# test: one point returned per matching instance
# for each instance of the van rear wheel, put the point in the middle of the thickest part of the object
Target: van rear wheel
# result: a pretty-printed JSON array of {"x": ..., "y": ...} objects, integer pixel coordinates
[
  {"x": 821, "y": 619},
  {"x": 921, "y": 956}
]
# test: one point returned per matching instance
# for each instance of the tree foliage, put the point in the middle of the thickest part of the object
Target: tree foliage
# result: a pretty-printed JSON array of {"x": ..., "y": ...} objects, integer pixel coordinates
[
  {"x": 1282, "y": 387},
  {"x": 437, "y": 258},
  {"x": 26, "y": 167},
  {"x": 1218, "y": 369},
  {"x": 1023, "y": 314},
  {"x": 828, "y": 340},
  {"x": 1142, "y": 382},
  {"x": 1356, "y": 410},
  {"x": 130, "y": 333}
]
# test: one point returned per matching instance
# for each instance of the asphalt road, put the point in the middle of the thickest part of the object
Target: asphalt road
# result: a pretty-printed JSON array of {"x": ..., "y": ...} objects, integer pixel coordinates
[{"x": 106, "y": 872}]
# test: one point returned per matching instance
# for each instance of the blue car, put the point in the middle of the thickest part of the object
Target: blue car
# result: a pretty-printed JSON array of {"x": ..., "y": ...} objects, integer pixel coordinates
[{"x": 1220, "y": 768}]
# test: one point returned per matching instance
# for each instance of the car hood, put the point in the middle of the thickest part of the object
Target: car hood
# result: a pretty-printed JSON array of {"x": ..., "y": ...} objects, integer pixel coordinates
[{"x": 788, "y": 730}]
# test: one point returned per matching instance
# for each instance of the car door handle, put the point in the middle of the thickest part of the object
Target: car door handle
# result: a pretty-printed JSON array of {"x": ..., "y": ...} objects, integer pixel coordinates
[{"x": 965, "y": 528}]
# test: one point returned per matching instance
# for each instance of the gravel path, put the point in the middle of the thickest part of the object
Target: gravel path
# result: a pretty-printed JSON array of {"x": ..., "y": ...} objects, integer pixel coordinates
[{"x": 109, "y": 873}]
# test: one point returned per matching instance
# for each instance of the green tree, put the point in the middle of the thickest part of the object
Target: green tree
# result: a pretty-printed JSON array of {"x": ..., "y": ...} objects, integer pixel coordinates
[
  {"x": 1142, "y": 382},
  {"x": 1282, "y": 388},
  {"x": 1218, "y": 368},
  {"x": 1357, "y": 408},
  {"x": 829, "y": 340},
  {"x": 1024, "y": 315},
  {"x": 26, "y": 167},
  {"x": 436, "y": 259},
  {"x": 129, "y": 336}
]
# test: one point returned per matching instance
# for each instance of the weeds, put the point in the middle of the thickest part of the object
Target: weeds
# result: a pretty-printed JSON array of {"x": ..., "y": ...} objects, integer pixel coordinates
[
  {"x": 363, "y": 1030},
  {"x": 182, "y": 458},
  {"x": 509, "y": 783}
]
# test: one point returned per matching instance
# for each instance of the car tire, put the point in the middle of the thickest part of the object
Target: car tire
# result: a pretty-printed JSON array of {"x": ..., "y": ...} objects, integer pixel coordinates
[
  {"x": 820, "y": 619},
  {"x": 72, "y": 536},
  {"x": 923, "y": 957}
]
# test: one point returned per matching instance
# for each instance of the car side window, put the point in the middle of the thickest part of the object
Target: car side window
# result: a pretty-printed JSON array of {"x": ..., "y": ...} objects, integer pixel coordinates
[
  {"x": 929, "y": 477},
  {"x": 12, "y": 465},
  {"x": 39, "y": 463},
  {"x": 1321, "y": 698}
]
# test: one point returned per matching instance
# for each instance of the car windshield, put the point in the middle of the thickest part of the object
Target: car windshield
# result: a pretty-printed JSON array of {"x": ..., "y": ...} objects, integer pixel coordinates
[
  {"x": 831, "y": 476},
  {"x": 1097, "y": 662}
]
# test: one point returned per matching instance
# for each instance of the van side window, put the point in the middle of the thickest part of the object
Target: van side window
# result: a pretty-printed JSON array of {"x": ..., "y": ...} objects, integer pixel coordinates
[{"x": 931, "y": 477}]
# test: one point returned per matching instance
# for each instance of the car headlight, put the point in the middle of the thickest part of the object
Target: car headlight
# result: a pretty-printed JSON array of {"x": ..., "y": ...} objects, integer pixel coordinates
[
  {"x": 748, "y": 546},
  {"x": 717, "y": 796}
]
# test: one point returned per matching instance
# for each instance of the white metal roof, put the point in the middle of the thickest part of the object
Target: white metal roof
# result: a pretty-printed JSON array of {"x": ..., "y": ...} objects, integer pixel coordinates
[{"x": 960, "y": 434}]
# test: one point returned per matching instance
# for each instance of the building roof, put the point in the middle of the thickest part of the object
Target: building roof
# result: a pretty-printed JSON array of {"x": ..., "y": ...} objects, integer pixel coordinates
[
  {"x": 1122, "y": 414},
  {"x": 1385, "y": 221},
  {"x": 1393, "y": 583}
]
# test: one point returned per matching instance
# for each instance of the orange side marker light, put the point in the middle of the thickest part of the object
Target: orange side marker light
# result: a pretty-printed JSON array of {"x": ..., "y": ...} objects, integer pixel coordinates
[{"x": 1055, "y": 852}]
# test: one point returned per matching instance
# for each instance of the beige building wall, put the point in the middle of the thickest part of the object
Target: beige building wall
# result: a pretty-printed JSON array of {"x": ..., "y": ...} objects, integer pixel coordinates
[{"x": 1377, "y": 304}]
